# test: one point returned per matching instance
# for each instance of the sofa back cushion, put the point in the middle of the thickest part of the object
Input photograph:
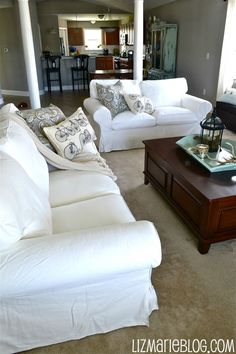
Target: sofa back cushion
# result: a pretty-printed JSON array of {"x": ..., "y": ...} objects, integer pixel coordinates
[
  {"x": 24, "y": 208},
  {"x": 19, "y": 145},
  {"x": 128, "y": 86},
  {"x": 164, "y": 92},
  {"x": 4, "y": 119}
]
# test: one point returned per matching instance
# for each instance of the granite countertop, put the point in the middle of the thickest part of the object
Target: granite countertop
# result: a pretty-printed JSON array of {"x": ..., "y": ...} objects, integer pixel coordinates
[{"x": 91, "y": 56}]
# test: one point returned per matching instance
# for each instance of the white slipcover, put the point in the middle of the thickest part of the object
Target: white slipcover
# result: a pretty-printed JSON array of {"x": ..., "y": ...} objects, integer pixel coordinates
[
  {"x": 91, "y": 275},
  {"x": 176, "y": 114}
]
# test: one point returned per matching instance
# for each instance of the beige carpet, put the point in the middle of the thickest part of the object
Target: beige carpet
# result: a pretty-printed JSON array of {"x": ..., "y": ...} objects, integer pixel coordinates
[{"x": 197, "y": 293}]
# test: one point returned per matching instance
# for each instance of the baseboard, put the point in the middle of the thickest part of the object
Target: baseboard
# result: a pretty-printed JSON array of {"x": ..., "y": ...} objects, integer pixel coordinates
[
  {"x": 57, "y": 88},
  {"x": 18, "y": 93},
  {"x": 41, "y": 92}
]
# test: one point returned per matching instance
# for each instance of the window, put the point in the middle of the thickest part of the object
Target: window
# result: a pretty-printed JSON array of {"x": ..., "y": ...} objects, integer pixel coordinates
[
  {"x": 228, "y": 57},
  {"x": 92, "y": 38}
]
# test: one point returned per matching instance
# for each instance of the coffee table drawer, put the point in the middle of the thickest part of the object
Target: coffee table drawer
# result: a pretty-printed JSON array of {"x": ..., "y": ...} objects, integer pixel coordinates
[
  {"x": 185, "y": 200},
  {"x": 156, "y": 171},
  {"x": 227, "y": 220}
]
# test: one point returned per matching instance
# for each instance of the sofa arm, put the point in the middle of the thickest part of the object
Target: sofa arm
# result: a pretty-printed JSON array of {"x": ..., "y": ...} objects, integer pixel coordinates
[
  {"x": 80, "y": 257},
  {"x": 200, "y": 106},
  {"x": 100, "y": 113}
]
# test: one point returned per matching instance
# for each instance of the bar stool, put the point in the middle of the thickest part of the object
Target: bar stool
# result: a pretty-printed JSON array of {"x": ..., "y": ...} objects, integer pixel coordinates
[
  {"x": 53, "y": 68},
  {"x": 80, "y": 72}
]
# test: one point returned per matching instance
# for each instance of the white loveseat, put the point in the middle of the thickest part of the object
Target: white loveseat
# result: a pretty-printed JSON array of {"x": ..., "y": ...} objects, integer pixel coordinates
[
  {"x": 73, "y": 259},
  {"x": 175, "y": 113}
]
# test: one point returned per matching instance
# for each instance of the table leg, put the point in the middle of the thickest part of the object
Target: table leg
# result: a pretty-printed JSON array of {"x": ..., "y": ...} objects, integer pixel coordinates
[
  {"x": 146, "y": 181},
  {"x": 203, "y": 247}
]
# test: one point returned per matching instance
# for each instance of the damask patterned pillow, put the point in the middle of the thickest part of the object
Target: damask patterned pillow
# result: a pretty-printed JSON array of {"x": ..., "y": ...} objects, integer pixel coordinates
[
  {"x": 139, "y": 104},
  {"x": 39, "y": 118},
  {"x": 70, "y": 136},
  {"x": 111, "y": 97}
]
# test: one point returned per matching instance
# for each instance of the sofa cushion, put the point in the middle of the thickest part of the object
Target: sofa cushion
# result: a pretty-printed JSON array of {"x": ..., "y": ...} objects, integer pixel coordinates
[
  {"x": 130, "y": 87},
  {"x": 70, "y": 136},
  {"x": 24, "y": 208},
  {"x": 99, "y": 211},
  {"x": 174, "y": 115},
  {"x": 39, "y": 118},
  {"x": 8, "y": 108},
  {"x": 129, "y": 120},
  {"x": 4, "y": 123},
  {"x": 4, "y": 119},
  {"x": 21, "y": 147},
  {"x": 138, "y": 103},
  {"x": 164, "y": 92},
  {"x": 111, "y": 97},
  {"x": 80, "y": 185}
]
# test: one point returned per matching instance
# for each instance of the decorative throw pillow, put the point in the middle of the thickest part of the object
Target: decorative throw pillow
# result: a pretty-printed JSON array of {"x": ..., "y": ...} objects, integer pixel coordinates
[
  {"x": 112, "y": 98},
  {"x": 139, "y": 104},
  {"x": 39, "y": 118},
  {"x": 70, "y": 136}
]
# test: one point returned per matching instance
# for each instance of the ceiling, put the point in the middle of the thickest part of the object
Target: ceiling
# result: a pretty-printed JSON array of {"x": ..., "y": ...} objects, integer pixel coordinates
[
  {"x": 117, "y": 8},
  {"x": 114, "y": 12},
  {"x": 128, "y": 5},
  {"x": 93, "y": 17}
]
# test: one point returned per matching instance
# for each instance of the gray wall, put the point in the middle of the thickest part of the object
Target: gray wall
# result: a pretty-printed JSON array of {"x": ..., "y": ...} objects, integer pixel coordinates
[
  {"x": 201, "y": 28},
  {"x": 12, "y": 68},
  {"x": 12, "y": 64},
  {"x": 200, "y": 31}
]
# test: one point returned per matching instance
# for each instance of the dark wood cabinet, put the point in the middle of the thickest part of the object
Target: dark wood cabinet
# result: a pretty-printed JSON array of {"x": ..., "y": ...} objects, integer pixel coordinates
[
  {"x": 111, "y": 38},
  {"x": 75, "y": 36},
  {"x": 104, "y": 63}
]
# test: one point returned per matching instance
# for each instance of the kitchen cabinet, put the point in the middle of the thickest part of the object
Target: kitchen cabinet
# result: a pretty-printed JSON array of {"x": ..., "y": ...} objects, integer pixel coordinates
[
  {"x": 111, "y": 38},
  {"x": 75, "y": 36},
  {"x": 104, "y": 62}
]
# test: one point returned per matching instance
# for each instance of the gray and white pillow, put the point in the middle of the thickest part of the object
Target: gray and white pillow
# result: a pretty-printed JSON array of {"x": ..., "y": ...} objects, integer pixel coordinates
[
  {"x": 70, "y": 136},
  {"x": 138, "y": 104},
  {"x": 39, "y": 118},
  {"x": 111, "y": 97}
]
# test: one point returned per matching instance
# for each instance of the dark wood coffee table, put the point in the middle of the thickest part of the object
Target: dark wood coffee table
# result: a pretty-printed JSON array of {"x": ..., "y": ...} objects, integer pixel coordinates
[{"x": 206, "y": 201}]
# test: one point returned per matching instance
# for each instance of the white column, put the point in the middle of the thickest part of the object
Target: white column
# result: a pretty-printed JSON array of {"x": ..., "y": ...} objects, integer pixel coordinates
[
  {"x": 138, "y": 40},
  {"x": 28, "y": 46}
]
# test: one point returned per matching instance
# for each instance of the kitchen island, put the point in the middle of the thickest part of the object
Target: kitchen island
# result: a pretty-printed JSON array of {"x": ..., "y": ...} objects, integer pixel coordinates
[
  {"x": 112, "y": 74},
  {"x": 100, "y": 67},
  {"x": 66, "y": 63}
]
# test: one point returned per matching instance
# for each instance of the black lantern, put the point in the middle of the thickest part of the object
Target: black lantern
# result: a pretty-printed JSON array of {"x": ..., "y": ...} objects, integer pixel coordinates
[{"x": 212, "y": 131}]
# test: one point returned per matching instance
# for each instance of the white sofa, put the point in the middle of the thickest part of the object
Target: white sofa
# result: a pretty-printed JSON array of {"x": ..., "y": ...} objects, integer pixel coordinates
[
  {"x": 175, "y": 113},
  {"x": 73, "y": 259}
]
